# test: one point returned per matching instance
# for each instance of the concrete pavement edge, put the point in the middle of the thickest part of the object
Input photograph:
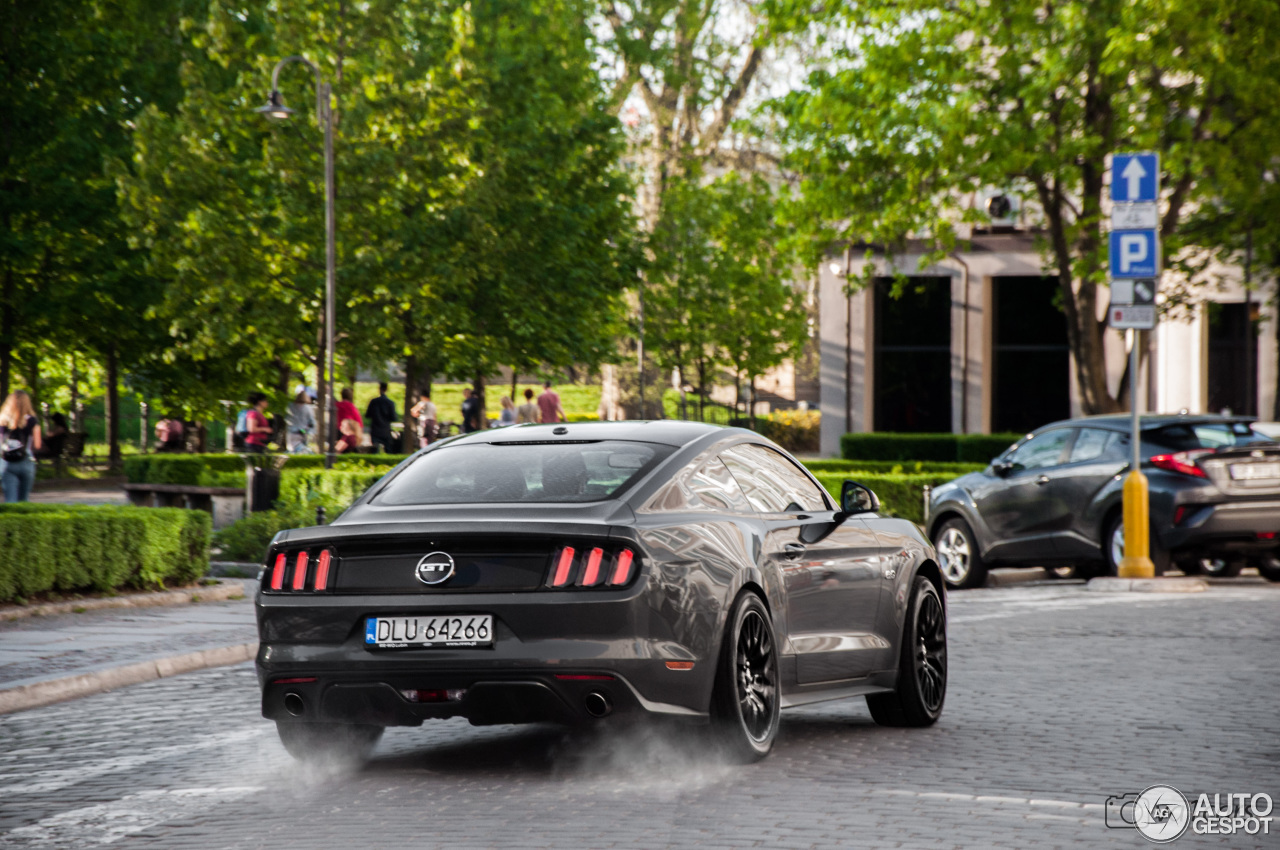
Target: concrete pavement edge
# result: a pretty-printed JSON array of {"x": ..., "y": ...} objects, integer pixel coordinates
[
  {"x": 48, "y": 692},
  {"x": 224, "y": 590}
]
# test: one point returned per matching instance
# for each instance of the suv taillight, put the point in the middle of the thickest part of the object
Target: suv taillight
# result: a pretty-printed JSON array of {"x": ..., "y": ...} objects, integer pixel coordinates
[
  {"x": 1184, "y": 462},
  {"x": 594, "y": 567}
]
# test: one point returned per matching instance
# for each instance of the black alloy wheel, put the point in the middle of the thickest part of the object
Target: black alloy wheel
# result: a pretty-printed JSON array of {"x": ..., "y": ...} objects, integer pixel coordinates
[
  {"x": 922, "y": 665},
  {"x": 745, "y": 703},
  {"x": 341, "y": 743}
]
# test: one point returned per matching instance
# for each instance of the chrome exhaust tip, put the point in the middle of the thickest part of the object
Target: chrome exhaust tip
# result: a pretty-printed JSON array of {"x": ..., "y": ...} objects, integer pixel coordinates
[
  {"x": 294, "y": 704},
  {"x": 598, "y": 704}
]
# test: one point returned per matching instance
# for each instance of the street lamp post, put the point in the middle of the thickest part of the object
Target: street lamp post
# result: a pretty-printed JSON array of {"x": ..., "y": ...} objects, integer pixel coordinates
[{"x": 276, "y": 109}]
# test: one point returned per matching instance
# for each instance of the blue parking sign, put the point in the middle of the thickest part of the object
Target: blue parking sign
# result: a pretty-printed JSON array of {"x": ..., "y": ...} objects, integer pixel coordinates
[
  {"x": 1133, "y": 253},
  {"x": 1135, "y": 177}
]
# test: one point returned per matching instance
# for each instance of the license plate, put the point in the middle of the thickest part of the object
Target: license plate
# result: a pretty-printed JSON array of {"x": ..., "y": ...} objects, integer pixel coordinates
[
  {"x": 460, "y": 630},
  {"x": 1254, "y": 471}
]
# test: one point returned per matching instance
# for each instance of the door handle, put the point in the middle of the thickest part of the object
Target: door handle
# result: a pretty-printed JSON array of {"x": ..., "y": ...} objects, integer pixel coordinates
[
  {"x": 1042, "y": 480},
  {"x": 793, "y": 550}
]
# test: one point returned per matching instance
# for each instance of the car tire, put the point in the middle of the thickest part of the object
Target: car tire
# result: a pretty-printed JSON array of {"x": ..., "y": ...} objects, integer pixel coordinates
[
  {"x": 1113, "y": 548},
  {"x": 922, "y": 664},
  {"x": 331, "y": 742},
  {"x": 1269, "y": 568},
  {"x": 1219, "y": 567},
  {"x": 747, "y": 698},
  {"x": 958, "y": 555}
]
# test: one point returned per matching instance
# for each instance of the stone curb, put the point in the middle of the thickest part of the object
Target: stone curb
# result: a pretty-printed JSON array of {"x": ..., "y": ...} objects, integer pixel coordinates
[
  {"x": 220, "y": 592},
  {"x": 1107, "y": 584},
  {"x": 82, "y": 685}
]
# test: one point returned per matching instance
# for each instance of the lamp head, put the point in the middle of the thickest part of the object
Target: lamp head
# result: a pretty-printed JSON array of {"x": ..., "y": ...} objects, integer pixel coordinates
[{"x": 275, "y": 108}]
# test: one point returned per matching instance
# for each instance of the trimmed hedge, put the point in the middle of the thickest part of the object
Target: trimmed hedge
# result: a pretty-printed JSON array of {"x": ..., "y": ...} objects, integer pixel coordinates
[
  {"x": 336, "y": 489},
  {"x": 227, "y": 470},
  {"x": 900, "y": 495},
  {"x": 82, "y": 547},
  {"x": 953, "y": 448},
  {"x": 905, "y": 466},
  {"x": 794, "y": 430}
]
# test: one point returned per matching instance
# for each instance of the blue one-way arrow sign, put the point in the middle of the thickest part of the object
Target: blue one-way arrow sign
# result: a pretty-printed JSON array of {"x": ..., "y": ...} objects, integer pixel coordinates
[{"x": 1135, "y": 177}]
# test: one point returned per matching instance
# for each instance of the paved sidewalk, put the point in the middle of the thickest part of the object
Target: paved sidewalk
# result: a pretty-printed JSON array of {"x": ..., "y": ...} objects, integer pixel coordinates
[{"x": 40, "y": 656}]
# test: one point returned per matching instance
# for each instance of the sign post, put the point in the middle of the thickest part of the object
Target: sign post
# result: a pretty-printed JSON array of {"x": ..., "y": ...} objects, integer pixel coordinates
[{"x": 1135, "y": 270}]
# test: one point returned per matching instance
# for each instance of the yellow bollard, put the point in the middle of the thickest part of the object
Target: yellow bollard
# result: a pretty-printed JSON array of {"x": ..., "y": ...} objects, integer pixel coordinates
[{"x": 1136, "y": 562}]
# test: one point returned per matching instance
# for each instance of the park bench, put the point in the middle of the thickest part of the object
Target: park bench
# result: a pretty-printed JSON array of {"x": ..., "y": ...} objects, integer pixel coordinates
[{"x": 226, "y": 504}]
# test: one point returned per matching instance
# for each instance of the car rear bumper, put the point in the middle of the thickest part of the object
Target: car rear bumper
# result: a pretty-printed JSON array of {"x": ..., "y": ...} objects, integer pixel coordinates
[
  {"x": 1227, "y": 527},
  {"x": 482, "y": 698},
  {"x": 544, "y": 646}
]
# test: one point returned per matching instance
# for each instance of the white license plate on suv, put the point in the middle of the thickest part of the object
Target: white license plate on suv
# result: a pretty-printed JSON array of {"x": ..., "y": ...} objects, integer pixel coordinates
[
  {"x": 460, "y": 630},
  {"x": 1254, "y": 471}
]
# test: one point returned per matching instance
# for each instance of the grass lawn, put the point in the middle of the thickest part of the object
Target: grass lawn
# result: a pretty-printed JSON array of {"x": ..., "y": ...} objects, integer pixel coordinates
[{"x": 576, "y": 398}]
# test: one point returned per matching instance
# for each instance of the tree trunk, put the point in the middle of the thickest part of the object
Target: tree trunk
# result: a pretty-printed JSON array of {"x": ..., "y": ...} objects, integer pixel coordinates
[
  {"x": 412, "y": 381},
  {"x": 76, "y": 424},
  {"x": 7, "y": 322},
  {"x": 752, "y": 415},
  {"x": 515, "y": 379},
  {"x": 113, "y": 410},
  {"x": 477, "y": 390}
]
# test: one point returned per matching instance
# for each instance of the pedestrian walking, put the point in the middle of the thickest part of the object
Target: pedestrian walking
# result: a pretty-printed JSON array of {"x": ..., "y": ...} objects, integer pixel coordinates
[
  {"x": 549, "y": 405},
  {"x": 527, "y": 412},
  {"x": 471, "y": 411},
  {"x": 55, "y": 441},
  {"x": 171, "y": 434},
  {"x": 19, "y": 440},
  {"x": 299, "y": 421},
  {"x": 425, "y": 412},
  {"x": 508, "y": 414},
  {"x": 381, "y": 413},
  {"x": 350, "y": 423},
  {"x": 258, "y": 431}
]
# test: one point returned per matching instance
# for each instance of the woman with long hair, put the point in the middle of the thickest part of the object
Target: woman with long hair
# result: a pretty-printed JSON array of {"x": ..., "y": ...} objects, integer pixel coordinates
[{"x": 19, "y": 440}]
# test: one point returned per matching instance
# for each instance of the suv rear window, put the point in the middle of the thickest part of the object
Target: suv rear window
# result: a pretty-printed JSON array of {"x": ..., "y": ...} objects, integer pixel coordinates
[
  {"x": 523, "y": 472},
  {"x": 1205, "y": 435}
]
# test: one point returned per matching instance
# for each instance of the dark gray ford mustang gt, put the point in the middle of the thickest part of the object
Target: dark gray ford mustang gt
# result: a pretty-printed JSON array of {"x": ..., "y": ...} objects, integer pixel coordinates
[{"x": 569, "y": 573}]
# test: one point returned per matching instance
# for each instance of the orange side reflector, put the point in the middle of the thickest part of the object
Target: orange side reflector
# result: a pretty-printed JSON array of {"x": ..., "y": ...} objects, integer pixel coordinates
[
  {"x": 592, "y": 575},
  {"x": 277, "y": 573},
  {"x": 679, "y": 665},
  {"x": 300, "y": 570},
  {"x": 322, "y": 570},
  {"x": 565, "y": 563},
  {"x": 622, "y": 567}
]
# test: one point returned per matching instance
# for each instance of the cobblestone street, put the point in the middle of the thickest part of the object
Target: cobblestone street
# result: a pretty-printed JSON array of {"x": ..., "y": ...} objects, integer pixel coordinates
[{"x": 1058, "y": 698}]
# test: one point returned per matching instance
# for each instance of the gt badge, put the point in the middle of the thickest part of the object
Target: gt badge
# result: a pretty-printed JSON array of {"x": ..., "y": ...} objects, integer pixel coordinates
[{"x": 435, "y": 568}]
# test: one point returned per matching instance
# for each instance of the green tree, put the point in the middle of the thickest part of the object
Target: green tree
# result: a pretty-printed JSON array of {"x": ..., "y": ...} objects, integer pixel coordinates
[{"x": 930, "y": 100}]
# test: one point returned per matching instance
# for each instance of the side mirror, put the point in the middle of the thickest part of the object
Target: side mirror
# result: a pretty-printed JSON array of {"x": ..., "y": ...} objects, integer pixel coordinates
[
  {"x": 1002, "y": 468},
  {"x": 857, "y": 498}
]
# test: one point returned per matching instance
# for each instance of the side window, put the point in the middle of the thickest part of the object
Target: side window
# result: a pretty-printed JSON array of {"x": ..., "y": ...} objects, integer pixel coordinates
[
  {"x": 714, "y": 486},
  {"x": 1041, "y": 451},
  {"x": 1096, "y": 444},
  {"x": 771, "y": 482},
  {"x": 709, "y": 487}
]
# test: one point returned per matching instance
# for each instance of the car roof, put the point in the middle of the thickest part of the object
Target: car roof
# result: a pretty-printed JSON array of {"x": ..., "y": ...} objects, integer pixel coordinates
[
  {"x": 671, "y": 432},
  {"x": 1123, "y": 421}
]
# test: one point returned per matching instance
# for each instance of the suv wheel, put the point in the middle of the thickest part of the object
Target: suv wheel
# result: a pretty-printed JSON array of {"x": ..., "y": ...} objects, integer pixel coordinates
[
  {"x": 1113, "y": 548},
  {"x": 958, "y": 556}
]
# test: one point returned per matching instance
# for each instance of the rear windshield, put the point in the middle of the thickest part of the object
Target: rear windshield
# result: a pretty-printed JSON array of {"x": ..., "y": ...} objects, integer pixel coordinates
[
  {"x": 523, "y": 472},
  {"x": 1206, "y": 435}
]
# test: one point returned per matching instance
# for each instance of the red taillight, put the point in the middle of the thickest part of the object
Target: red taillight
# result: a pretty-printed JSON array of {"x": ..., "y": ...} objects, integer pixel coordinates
[
  {"x": 1266, "y": 535},
  {"x": 592, "y": 574},
  {"x": 300, "y": 571},
  {"x": 322, "y": 570},
  {"x": 622, "y": 567},
  {"x": 1184, "y": 462},
  {"x": 563, "y": 566},
  {"x": 301, "y": 680},
  {"x": 584, "y": 677},
  {"x": 1180, "y": 513},
  {"x": 277, "y": 573}
]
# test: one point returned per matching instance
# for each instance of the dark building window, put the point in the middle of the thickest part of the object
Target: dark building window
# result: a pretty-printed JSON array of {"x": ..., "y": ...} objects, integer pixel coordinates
[
  {"x": 1233, "y": 349},
  {"x": 1031, "y": 373},
  {"x": 913, "y": 355}
]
